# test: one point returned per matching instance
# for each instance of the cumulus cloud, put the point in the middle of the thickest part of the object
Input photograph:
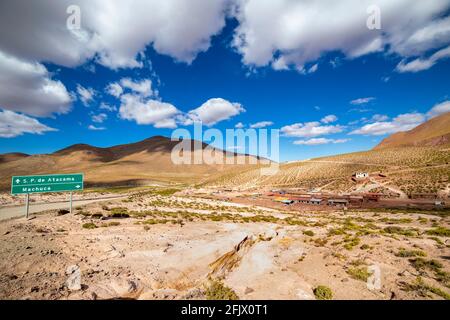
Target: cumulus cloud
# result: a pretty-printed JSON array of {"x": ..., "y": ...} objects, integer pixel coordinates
[
  {"x": 139, "y": 102},
  {"x": 29, "y": 88},
  {"x": 148, "y": 111},
  {"x": 261, "y": 124},
  {"x": 319, "y": 141},
  {"x": 402, "y": 122},
  {"x": 86, "y": 94},
  {"x": 439, "y": 109},
  {"x": 421, "y": 64},
  {"x": 177, "y": 28},
  {"x": 289, "y": 33},
  {"x": 94, "y": 128},
  {"x": 13, "y": 124},
  {"x": 99, "y": 118},
  {"x": 143, "y": 87},
  {"x": 310, "y": 129},
  {"x": 215, "y": 110},
  {"x": 107, "y": 107},
  {"x": 361, "y": 101},
  {"x": 379, "y": 117},
  {"x": 114, "y": 89},
  {"x": 239, "y": 125},
  {"x": 329, "y": 118}
]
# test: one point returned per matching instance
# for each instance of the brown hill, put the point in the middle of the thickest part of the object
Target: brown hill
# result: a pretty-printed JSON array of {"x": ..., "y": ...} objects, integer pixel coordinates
[
  {"x": 434, "y": 132},
  {"x": 6, "y": 157},
  {"x": 144, "y": 162}
]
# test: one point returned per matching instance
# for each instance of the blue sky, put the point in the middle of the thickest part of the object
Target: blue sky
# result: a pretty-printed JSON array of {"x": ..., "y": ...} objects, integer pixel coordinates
[{"x": 331, "y": 103}]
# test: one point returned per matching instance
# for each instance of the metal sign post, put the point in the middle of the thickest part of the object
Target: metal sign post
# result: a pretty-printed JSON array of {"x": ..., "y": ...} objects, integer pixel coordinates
[
  {"x": 71, "y": 202},
  {"x": 27, "y": 204}
]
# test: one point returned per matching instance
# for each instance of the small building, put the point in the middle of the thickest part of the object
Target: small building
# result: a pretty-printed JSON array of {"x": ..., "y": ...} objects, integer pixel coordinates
[
  {"x": 361, "y": 175},
  {"x": 338, "y": 202},
  {"x": 315, "y": 201},
  {"x": 301, "y": 199}
]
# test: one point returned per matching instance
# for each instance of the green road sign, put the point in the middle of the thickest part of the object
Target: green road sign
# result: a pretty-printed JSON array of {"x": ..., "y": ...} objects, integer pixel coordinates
[{"x": 46, "y": 183}]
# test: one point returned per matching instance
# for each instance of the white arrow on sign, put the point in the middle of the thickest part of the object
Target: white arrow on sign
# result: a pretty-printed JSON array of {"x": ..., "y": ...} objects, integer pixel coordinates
[
  {"x": 77, "y": 186},
  {"x": 17, "y": 180}
]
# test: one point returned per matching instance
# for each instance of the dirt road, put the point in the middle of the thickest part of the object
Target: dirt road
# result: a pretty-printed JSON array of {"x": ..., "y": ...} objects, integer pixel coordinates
[{"x": 19, "y": 211}]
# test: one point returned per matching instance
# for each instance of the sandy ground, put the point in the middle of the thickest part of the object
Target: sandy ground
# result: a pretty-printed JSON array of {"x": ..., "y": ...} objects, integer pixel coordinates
[{"x": 284, "y": 257}]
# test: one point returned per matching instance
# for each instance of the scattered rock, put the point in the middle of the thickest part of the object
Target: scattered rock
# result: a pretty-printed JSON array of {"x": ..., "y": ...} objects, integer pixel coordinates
[
  {"x": 73, "y": 283},
  {"x": 248, "y": 290},
  {"x": 34, "y": 289},
  {"x": 62, "y": 212}
]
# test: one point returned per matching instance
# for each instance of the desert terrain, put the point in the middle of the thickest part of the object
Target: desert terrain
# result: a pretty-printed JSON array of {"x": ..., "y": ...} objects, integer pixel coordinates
[{"x": 157, "y": 244}]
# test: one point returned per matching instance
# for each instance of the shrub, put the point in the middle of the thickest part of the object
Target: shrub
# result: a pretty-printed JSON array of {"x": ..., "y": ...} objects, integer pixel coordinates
[
  {"x": 439, "y": 231},
  {"x": 323, "y": 293},
  {"x": 401, "y": 231},
  {"x": 420, "y": 264},
  {"x": 119, "y": 212},
  {"x": 359, "y": 273},
  {"x": 309, "y": 233},
  {"x": 410, "y": 253},
  {"x": 89, "y": 225},
  {"x": 218, "y": 291}
]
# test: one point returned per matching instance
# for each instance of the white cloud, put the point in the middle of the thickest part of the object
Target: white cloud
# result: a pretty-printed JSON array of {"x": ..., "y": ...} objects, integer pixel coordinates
[
  {"x": 319, "y": 141},
  {"x": 113, "y": 32},
  {"x": 13, "y": 124},
  {"x": 403, "y": 122},
  {"x": 143, "y": 87},
  {"x": 107, "y": 107},
  {"x": 86, "y": 94},
  {"x": 29, "y": 88},
  {"x": 114, "y": 89},
  {"x": 99, "y": 118},
  {"x": 289, "y": 33},
  {"x": 439, "y": 109},
  {"x": 94, "y": 128},
  {"x": 261, "y": 124},
  {"x": 310, "y": 129},
  {"x": 379, "y": 117},
  {"x": 239, "y": 125},
  {"x": 361, "y": 101},
  {"x": 215, "y": 110},
  {"x": 329, "y": 118},
  {"x": 148, "y": 111},
  {"x": 421, "y": 64}
]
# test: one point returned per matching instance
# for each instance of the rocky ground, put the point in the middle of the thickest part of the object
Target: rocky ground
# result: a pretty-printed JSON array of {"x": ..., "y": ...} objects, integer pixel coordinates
[{"x": 170, "y": 247}]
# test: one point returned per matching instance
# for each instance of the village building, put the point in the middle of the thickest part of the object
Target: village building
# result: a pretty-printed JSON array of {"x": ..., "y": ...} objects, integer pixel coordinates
[
  {"x": 338, "y": 202},
  {"x": 316, "y": 201}
]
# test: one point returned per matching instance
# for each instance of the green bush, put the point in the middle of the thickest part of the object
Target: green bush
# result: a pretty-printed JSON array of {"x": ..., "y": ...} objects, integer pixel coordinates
[
  {"x": 89, "y": 225},
  {"x": 323, "y": 293},
  {"x": 218, "y": 291}
]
